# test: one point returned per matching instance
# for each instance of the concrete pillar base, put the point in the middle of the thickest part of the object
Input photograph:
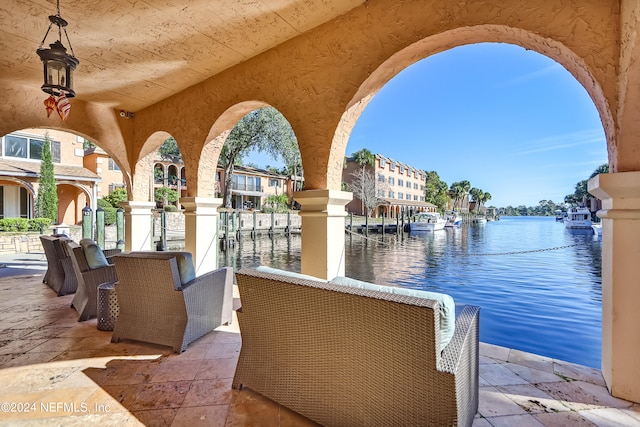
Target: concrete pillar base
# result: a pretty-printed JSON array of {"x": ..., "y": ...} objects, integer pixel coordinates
[
  {"x": 137, "y": 225},
  {"x": 201, "y": 225},
  {"x": 620, "y": 195},
  {"x": 323, "y": 213}
]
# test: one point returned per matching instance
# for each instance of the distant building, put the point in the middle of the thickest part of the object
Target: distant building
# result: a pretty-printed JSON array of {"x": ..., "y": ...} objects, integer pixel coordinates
[
  {"x": 20, "y": 156},
  {"x": 85, "y": 175},
  {"x": 399, "y": 187}
]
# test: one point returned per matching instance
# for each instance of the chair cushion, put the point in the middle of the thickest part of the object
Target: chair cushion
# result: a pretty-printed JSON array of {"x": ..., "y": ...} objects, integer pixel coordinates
[
  {"x": 185, "y": 266},
  {"x": 93, "y": 253},
  {"x": 447, "y": 304},
  {"x": 265, "y": 269}
]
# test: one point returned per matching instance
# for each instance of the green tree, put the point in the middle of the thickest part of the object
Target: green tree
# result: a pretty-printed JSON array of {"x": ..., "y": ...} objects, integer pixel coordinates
[
  {"x": 165, "y": 194},
  {"x": 47, "y": 199},
  {"x": 364, "y": 158},
  {"x": 263, "y": 130},
  {"x": 169, "y": 151},
  {"x": 458, "y": 191},
  {"x": 477, "y": 195},
  {"x": 436, "y": 191},
  {"x": 117, "y": 196}
]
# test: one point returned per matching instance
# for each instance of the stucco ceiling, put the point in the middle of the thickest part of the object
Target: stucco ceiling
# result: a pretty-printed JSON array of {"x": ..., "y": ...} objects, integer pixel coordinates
[{"x": 134, "y": 53}]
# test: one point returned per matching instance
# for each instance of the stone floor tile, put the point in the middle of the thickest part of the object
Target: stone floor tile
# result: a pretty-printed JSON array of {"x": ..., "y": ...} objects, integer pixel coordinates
[
  {"x": 514, "y": 420},
  {"x": 209, "y": 392},
  {"x": 148, "y": 396},
  {"x": 530, "y": 360},
  {"x": 578, "y": 372},
  {"x": 610, "y": 417},
  {"x": 499, "y": 374},
  {"x": 531, "y": 399},
  {"x": 494, "y": 351},
  {"x": 175, "y": 370},
  {"x": 494, "y": 403},
  {"x": 156, "y": 417},
  {"x": 533, "y": 375},
  {"x": 205, "y": 416},
  {"x": 217, "y": 368},
  {"x": 224, "y": 351},
  {"x": 251, "y": 409},
  {"x": 563, "y": 419},
  {"x": 481, "y": 422}
]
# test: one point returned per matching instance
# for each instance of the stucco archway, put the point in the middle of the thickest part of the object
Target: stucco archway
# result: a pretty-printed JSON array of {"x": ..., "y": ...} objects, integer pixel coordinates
[{"x": 454, "y": 38}]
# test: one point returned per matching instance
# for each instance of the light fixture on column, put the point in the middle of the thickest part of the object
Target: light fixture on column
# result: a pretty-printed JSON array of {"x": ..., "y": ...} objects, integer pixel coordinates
[{"x": 58, "y": 67}]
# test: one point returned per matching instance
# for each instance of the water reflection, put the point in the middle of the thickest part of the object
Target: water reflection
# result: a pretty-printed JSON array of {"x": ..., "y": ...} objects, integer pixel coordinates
[{"x": 539, "y": 286}]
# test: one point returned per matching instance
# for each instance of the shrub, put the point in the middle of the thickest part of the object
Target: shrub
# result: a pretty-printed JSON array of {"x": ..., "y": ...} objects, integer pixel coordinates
[
  {"x": 36, "y": 224},
  {"x": 116, "y": 197},
  {"x": 14, "y": 224},
  {"x": 170, "y": 208},
  {"x": 109, "y": 211}
]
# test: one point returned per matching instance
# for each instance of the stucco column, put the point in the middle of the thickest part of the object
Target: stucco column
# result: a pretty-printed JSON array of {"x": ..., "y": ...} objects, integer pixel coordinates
[
  {"x": 323, "y": 213},
  {"x": 620, "y": 195},
  {"x": 201, "y": 224},
  {"x": 137, "y": 225}
]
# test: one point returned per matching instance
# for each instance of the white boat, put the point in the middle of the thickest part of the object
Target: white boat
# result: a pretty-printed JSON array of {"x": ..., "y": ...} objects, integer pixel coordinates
[
  {"x": 428, "y": 221},
  {"x": 480, "y": 220},
  {"x": 577, "y": 218},
  {"x": 453, "y": 219}
]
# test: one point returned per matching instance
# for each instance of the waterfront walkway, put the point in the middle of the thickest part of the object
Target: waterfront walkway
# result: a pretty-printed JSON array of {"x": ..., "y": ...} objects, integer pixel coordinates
[{"x": 63, "y": 368}]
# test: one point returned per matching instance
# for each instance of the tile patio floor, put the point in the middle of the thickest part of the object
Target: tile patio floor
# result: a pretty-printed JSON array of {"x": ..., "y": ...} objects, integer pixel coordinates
[{"x": 69, "y": 373}]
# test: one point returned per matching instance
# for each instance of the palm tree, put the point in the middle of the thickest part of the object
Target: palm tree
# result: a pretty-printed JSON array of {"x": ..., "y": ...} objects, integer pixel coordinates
[
  {"x": 477, "y": 195},
  {"x": 485, "y": 198},
  {"x": 364, "y": 158}
]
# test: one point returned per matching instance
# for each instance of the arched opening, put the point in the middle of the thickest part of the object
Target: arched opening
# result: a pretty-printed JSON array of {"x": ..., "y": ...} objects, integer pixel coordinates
[{"x": 535, "y": 131}]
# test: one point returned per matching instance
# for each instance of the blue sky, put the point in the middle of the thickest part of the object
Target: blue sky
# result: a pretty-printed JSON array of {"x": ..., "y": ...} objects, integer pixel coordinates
[{"x": 511, "y": 121}]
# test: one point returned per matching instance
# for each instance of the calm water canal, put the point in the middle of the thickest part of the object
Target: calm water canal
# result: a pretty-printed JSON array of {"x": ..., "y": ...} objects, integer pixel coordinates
[{"x": 539, "y": 285}]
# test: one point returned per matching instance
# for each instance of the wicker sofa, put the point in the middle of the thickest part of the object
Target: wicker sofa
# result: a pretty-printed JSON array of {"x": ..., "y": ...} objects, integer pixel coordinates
[
  {"x": 346, "y": 356},
  {"x": 160, "y": 303}
]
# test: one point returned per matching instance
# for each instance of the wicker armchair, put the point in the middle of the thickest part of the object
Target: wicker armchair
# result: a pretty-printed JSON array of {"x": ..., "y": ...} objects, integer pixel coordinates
[
  {"x": 346, "y": 356},
  {"x": 155, "y": 307},
  {"x": 60, "y": 275},
  {"x": 86, "y": 297}
]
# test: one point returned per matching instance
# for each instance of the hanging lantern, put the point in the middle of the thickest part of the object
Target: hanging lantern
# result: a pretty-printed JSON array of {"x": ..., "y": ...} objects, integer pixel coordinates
[{"x": 58, "y": 64}]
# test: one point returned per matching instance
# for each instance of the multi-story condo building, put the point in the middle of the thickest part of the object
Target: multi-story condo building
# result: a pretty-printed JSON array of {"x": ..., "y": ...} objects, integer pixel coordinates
[
  {"x": 399, "y": 187},
  {"x": 85, "y": 175}
]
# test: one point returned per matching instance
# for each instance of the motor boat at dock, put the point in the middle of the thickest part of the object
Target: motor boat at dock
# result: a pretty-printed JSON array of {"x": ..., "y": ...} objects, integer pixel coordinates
[
  {"x": 578, "y": 218},
  {"x": 428, "y": 221}
]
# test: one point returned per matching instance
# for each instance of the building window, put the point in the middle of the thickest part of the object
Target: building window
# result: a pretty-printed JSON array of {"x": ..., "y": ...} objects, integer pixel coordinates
[
  {"x": 408, "y": 184},
  {"x": 113, "y": 166},
  {"x": 29, "y": 148},
  {"x": 400, "y": 182},
  {"x": 380, "y": 193},
  {"x": 408, "y": 197},
  {"x": 380, "y": 177},
  {"x": 415, "y": 197},
  {"x": 15, "y": 146},
  {"x": 274, "y": 182},
  {"x": 115, "y": 186},
  {"x": 393, "y": 167},
  {"x": 383, "y": 163},
  {"x": 391, "y": 181},
  {"x": 415, "y": 185},
  {"x": 400, "y": 196},
  {"x": 392, "y": 194},
  {"x": 401, "y": 168}
]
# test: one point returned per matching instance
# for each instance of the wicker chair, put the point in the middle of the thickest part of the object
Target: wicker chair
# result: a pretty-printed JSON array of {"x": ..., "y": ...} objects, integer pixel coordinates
[
  {"x": 86, "y": 297},
  {"x": 156, "y": 308},
  {"x": 346, "y": 356},
  {"x": 60, "y": 275}
]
